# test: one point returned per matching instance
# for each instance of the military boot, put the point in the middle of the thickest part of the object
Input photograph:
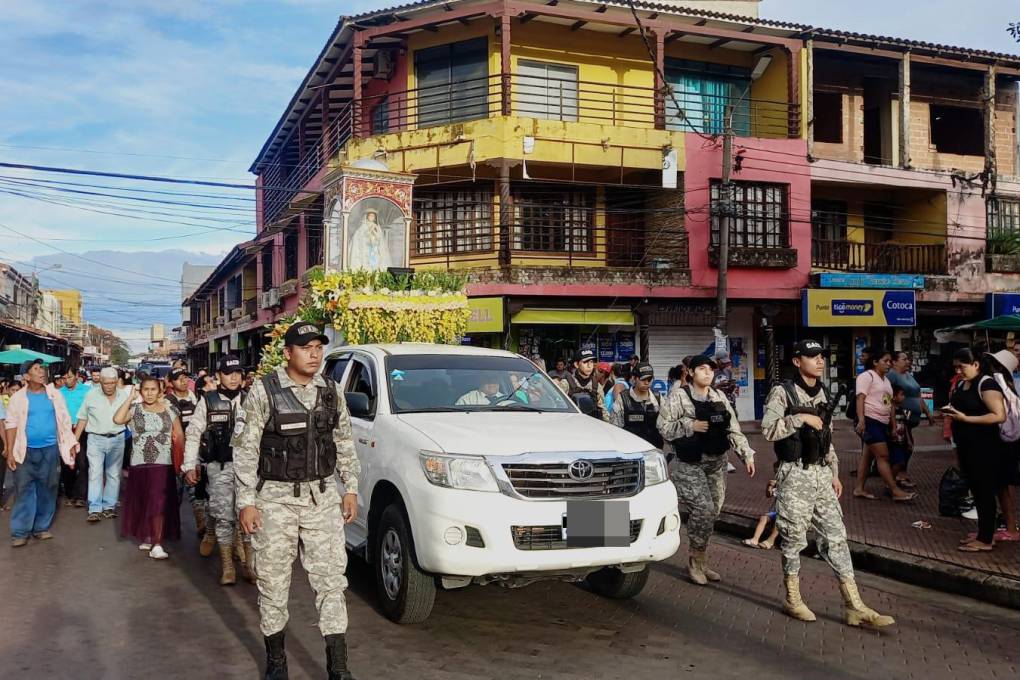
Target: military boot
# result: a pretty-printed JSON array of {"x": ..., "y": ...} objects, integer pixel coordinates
[
  {"x": 794, "y": 606},
  {"x": 336, "y": 658},
  {"x": 856, "y": 611},
  {"x": 208, "y": 544},
  {"x": 229, "y": 576},
  {"x": 238, "y": 546},
  {"x": 696, "y": 568},
  {"x": 249, "y": 563},
  {"x": 710, "y": 574},
  {"x": 276, "y": 657},
  {"x": 199, "y": 511}
]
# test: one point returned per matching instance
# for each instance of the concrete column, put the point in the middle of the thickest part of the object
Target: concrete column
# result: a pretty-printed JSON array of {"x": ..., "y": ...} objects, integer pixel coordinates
[
  {"x": 990, "y": 156},
  {"x": 904, "y": 160},
  {"x": 809, "y": 85}
]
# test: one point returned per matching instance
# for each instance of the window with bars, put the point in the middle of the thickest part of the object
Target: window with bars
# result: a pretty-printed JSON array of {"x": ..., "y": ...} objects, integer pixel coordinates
[
  {"x": 553, "y": 223},
  {"x": 313, "y": 245},
  {"x": 233, "y": 289},
  {"x": 267, "y": 267},
  {"x": 290, "y": 255},
  {"x": 760, "y": 217},
  {"x": 1003, "y": 217},
  {"x": 547, "y": 90},
  {"x": 447, "y": 222},
  {"x": 381, "y": 117}
]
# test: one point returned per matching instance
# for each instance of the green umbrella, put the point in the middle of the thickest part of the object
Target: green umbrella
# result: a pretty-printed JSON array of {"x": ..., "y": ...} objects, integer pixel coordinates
[{"x": 18, "y": 356}]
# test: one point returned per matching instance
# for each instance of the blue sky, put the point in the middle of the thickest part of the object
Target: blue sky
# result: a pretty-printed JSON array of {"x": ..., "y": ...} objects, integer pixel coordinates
[{"x": 191, "y": 88}]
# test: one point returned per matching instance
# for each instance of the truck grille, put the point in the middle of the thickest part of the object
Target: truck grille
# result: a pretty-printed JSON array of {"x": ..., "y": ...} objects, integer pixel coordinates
[
  {"x": 611, "y": 478},
  {"x": 550, "y": 536}
]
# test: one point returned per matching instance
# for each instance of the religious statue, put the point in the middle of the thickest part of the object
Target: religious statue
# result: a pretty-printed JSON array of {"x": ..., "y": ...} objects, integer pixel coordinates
[{"x": 369, "y": 249}]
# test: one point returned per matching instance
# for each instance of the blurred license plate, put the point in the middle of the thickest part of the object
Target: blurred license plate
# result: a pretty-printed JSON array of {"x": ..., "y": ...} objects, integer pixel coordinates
[{"x": 596, "y": 524}]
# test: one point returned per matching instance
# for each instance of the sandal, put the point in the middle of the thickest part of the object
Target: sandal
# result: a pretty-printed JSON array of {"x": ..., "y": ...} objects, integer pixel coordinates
[
  {"x": 765, "y": 545},
  {"x": 975, "y": 547},
  {"x": 751, "y": 543},
  {"x": 904, "y": 499},
  {"x": 865, "y": 495},
  {"x": 906, "y": 483}
]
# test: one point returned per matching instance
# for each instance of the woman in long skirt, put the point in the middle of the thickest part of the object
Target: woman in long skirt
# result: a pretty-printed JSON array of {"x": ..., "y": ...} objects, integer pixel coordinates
[{"x": 150, "y": 514}]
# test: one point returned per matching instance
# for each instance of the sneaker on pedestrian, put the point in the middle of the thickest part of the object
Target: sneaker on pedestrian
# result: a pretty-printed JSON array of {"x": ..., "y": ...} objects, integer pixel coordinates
[
  {"x": 18, "y": 542},
  {"x": 94, "y": 517},
  {"x": 145, "y": 546},
  {"x": 44, "y": 535},
  {"x": 109, "y": 514},
  {"x": 730, "y": 467},
  {"x": 970, "y": 514},
  {"x": 157, "y": 553},
  {"x": 1008, "y": 536},
  {"x": 79, "y": 503}
]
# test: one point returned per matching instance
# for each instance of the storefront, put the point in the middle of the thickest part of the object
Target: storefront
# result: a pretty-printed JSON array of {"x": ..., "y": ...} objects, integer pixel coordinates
[
  {"x": 548, "y": 334},
  {"x": 487, "y": 322}
]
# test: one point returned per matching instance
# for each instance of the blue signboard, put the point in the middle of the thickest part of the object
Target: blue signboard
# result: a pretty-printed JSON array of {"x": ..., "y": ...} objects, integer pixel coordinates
[
  {"x": 858, "y": 308},
  {"x": 624, "y": 346},
  {"x": 886, "y": 281},
  {"x": 607, "y": 347},
  {"x": 997, "y": 304}
]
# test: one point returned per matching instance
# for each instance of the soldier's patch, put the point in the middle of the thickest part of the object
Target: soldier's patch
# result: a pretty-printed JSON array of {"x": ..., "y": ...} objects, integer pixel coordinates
[{"x": 238, "y": 428}]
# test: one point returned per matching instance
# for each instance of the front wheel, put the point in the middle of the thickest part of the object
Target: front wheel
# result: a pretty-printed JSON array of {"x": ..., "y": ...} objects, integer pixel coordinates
[
  {"x": 406, "y": 594},
  {"x": 612, "y": 583}
]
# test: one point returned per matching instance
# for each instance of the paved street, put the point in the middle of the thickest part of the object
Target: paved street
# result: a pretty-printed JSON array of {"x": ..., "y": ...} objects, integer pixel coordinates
[{"x": 87, "y": 605}]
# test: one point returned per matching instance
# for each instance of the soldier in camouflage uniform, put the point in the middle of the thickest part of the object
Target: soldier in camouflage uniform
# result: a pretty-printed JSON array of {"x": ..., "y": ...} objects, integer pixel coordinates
[
  {"x": 208, "y": 435},
  {"x": 798, "y": 419},
  {"x": 291, "y": 445},
  {"x": 700, "y": 424}
]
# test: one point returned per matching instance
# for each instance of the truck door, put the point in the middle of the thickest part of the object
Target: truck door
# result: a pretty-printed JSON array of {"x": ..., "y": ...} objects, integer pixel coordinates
[{"x": 361, "y": 378}]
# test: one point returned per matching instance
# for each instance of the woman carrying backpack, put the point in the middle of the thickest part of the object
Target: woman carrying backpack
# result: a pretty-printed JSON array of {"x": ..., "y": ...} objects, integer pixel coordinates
[
  {"x": 977, "y": 408},
  {"x": 1004, "y": 364}
]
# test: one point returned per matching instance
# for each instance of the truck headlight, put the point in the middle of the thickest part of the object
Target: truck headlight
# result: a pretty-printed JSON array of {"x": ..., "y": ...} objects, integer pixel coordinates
[
  {"x": 655, "y": 468},
  {"x": 457, "y": 472}
]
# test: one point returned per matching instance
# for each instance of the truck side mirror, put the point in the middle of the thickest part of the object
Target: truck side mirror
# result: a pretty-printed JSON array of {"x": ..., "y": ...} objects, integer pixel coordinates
[
  {"x": 585, "y": 403},
  {"x": 357, "y": 404}
]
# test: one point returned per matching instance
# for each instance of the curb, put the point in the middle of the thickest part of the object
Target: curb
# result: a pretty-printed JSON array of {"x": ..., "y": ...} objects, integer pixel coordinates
[{"x": 918, "y": 571}]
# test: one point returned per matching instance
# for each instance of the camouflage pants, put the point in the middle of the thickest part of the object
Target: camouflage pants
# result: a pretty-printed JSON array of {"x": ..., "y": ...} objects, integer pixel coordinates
[
  {"x": 317, "y": 531},
  {"x": 702, "y": 490},
  {"x": 805, "y": 499},
  {"x": 222, "y": 513}
]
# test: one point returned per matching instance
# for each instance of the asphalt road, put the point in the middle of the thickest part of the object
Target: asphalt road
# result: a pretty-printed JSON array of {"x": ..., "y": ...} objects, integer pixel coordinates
[{"x": 88, "y": 605}]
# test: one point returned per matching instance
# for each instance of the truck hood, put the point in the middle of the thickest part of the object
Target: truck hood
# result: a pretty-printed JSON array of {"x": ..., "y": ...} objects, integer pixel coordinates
[{"x": 508, "y": 434}]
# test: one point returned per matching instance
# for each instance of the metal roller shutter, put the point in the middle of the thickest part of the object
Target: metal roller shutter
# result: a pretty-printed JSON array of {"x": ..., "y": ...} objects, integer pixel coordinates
[{"x": 668, "y": 345}]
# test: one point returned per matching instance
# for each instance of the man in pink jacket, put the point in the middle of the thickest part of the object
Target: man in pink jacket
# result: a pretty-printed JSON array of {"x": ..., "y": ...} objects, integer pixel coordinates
[{"x": 38, "y": 433}]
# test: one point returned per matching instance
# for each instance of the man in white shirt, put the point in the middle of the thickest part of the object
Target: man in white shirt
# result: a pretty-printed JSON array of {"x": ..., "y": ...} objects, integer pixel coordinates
[
  {"x": 487, "y": 393},
  {"x": 105, "y": 444}
]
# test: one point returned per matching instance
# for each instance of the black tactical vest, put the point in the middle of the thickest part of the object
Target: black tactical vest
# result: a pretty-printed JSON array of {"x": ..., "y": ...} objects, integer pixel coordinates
[
  {"x": 640, "y": 418},
  {"x": 715, "y": 442},
  {"x": 807, "y": 445},
  {"x": 185, "y": 407},
  {"x": 297, "y": 444},
  {"x": 219, "y": 425},
  {"x": 574, "y": 388}
]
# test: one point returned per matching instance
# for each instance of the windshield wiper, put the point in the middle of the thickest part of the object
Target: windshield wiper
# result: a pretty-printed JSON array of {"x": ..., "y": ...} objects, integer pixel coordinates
[
  {"x": 512, "y": 407},
  {"x": 437, "y": 409}
]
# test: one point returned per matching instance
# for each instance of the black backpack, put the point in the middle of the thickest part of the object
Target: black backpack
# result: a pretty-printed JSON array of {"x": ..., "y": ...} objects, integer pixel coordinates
[{"x": 953, "y": 494}]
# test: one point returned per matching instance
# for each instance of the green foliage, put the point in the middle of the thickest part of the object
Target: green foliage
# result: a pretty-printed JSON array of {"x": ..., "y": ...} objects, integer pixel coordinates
[{"x": 1004, "y": 243}]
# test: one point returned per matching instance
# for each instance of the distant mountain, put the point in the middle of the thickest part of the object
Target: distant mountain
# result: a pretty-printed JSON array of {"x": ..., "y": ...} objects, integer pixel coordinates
[{"x": 124, "y": 290}]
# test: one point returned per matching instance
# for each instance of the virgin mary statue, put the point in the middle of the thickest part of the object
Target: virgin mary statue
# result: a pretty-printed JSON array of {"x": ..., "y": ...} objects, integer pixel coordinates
[{"x": 369, "y": 249}]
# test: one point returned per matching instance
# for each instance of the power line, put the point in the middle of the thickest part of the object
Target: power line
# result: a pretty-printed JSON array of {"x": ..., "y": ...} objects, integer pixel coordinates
[{"x": 118, "y": 175}]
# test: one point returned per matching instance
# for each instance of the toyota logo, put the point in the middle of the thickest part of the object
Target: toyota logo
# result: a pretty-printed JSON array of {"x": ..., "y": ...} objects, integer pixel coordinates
[{"x": 581, "y": 470}]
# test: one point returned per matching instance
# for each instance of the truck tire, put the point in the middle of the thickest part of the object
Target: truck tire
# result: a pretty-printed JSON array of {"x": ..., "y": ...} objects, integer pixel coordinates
[
  {"x": 612, "y": 583},
  {"x": 406, "y": 594}
]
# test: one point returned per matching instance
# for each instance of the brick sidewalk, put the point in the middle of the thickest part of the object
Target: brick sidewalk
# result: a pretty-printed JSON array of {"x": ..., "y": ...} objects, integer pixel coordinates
[{"x": 883, "y": 523}]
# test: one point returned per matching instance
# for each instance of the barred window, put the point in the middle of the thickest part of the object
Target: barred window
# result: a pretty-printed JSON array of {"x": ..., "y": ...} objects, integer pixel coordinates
[
  {"x": 553, "y": 223},
  {"x": 1003, "y": 217},
  {"x": 760, "y": 217},
  {"x": 449, "y": 222}
]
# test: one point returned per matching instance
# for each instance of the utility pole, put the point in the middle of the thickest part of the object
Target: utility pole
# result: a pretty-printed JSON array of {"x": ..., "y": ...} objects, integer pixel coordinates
[{"x": 725, "y": 213}]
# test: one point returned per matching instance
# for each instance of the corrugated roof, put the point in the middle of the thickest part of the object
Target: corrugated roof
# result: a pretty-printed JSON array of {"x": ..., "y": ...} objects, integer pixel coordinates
[{"x": 796, "y": 30}]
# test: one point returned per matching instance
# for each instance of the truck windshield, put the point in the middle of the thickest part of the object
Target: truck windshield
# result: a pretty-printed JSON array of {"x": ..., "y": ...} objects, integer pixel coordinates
[{"x": 435, "y": 383}]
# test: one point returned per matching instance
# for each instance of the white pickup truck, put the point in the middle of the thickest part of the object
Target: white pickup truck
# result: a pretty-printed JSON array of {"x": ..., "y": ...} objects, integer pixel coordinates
[{"x": 477, "y": 469}]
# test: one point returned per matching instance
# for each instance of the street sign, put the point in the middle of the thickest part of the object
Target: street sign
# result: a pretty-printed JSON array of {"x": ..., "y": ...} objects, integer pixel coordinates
[
  {"x": 884, "y": 281},
  {"x": 852, "y": 308},
  {"x": 997, "y": 304}
]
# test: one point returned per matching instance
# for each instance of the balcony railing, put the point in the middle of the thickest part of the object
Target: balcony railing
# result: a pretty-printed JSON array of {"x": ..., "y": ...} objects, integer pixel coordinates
[
  {"x": 546, "y": 98},
  {"x": 879, "y": 258}
]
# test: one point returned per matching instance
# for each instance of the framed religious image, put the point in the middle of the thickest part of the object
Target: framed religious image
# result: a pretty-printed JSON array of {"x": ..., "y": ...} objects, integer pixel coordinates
[{"x": 376, "y": 235}]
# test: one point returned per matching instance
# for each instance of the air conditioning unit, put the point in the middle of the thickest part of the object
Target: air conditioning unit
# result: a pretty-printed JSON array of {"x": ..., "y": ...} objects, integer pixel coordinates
[
  {"x": 264, "y": 302},
  {"x": 220, "y": 320},
  {"x": 236, "y": 313},
  {"x": 382, "y": 64},
  {"x": 274, "y": 297}
]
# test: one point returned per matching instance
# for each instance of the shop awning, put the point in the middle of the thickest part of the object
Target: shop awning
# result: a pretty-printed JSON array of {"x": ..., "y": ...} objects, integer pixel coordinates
[
  {"x": 18, "y": 356},
  {"x": 574, "y": 317},
  {"x": 1006, "y": 322}
]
